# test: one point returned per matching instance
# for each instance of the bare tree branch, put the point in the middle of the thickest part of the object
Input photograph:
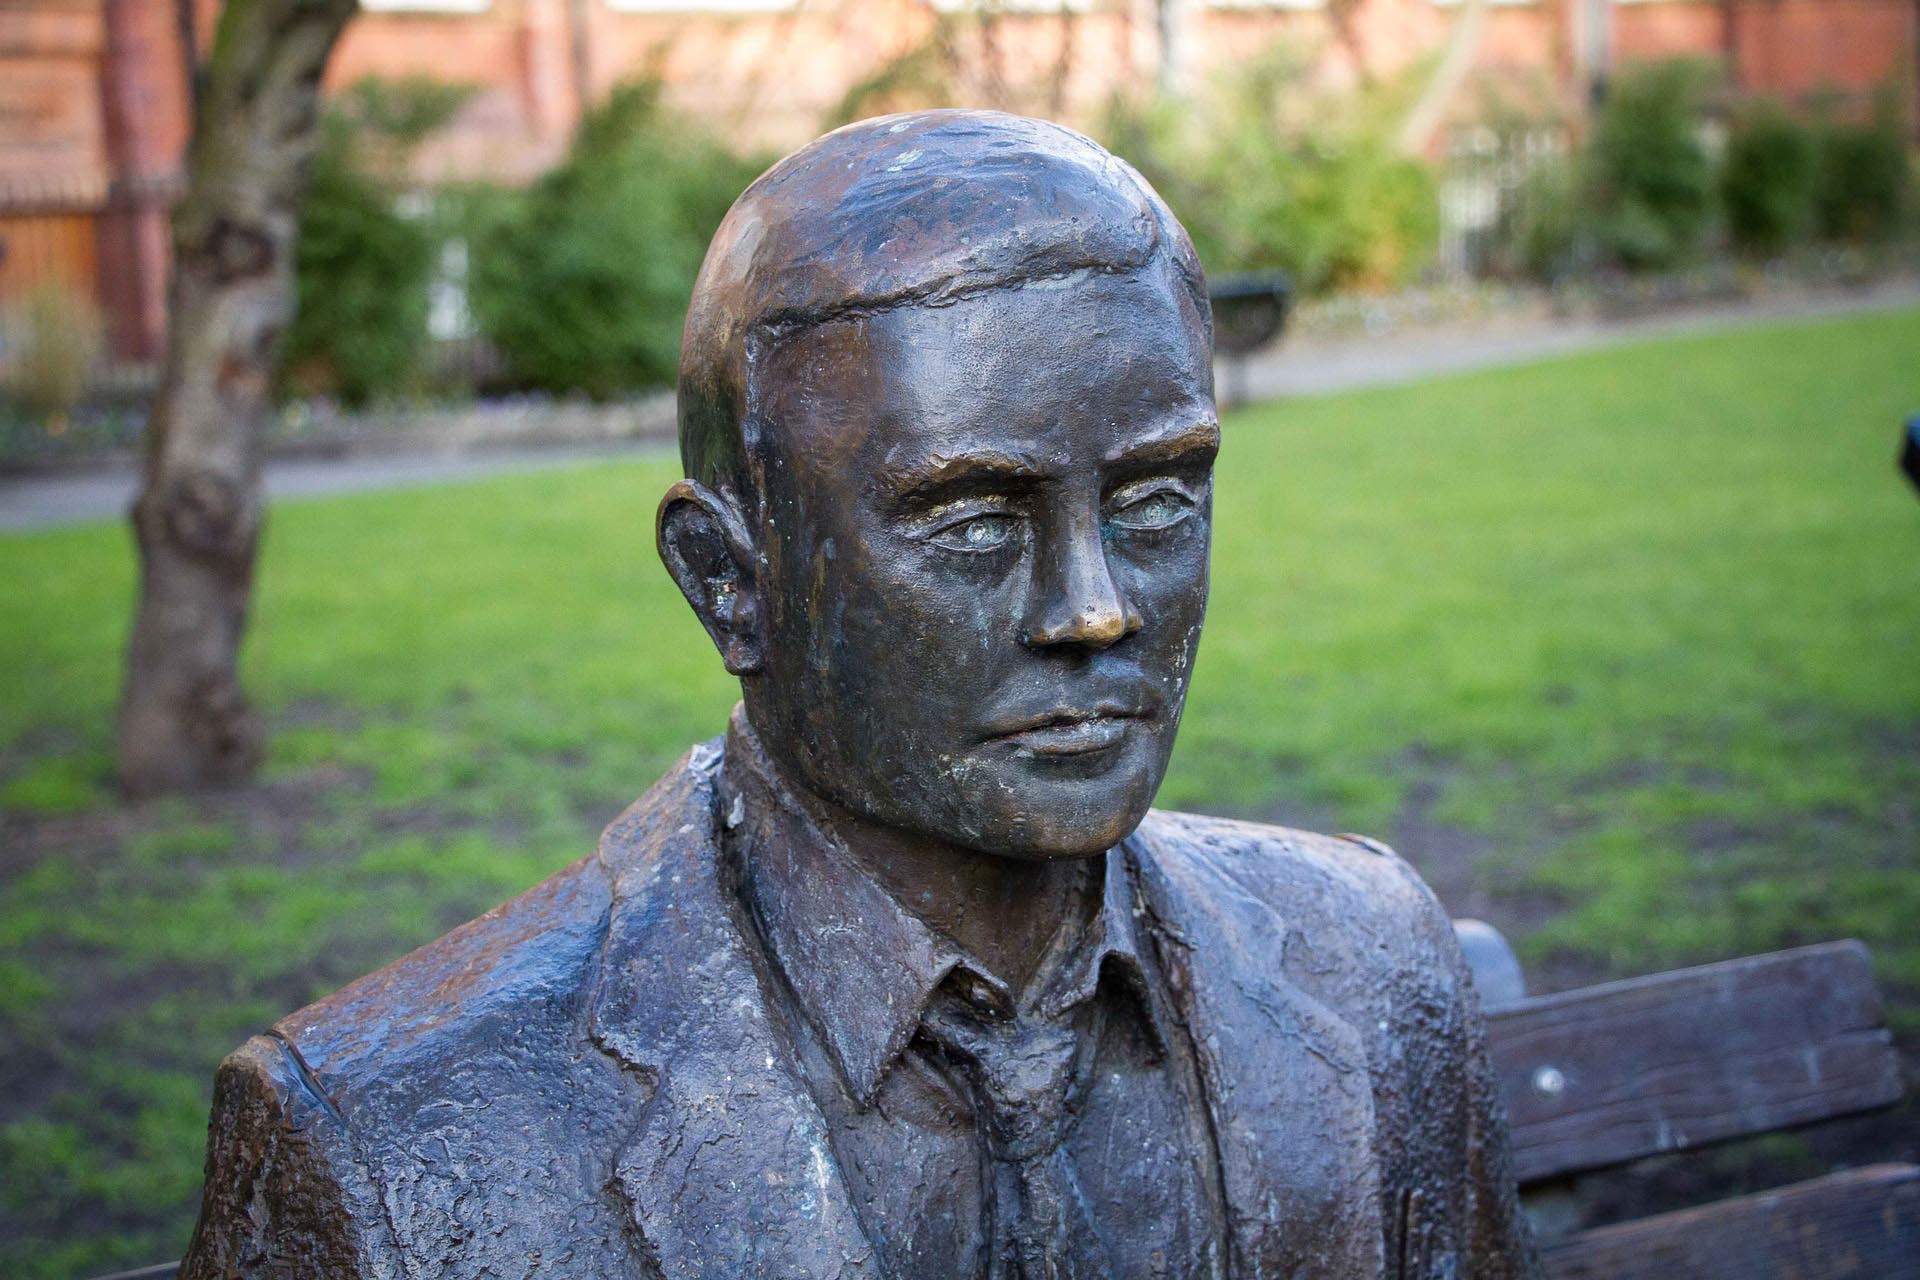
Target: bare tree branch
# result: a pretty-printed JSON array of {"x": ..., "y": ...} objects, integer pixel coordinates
[{"x": 1430, "y": 109}]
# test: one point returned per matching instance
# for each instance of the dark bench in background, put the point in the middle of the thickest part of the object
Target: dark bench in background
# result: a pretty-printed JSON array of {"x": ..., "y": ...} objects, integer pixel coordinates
[
  {"x": 1602, "y": 1076},
  {"x": 1249, "y": 311}
]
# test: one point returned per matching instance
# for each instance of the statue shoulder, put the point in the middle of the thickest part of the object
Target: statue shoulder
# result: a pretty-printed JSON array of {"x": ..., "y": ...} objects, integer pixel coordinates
[
  {"x": 435, "y": 1116},
  {"x": 1345, "y": 917},
  {"x": 1341, "y": 882},
  {"x": 489, "y": 978},
  {"x": 280, "y": 1183}
]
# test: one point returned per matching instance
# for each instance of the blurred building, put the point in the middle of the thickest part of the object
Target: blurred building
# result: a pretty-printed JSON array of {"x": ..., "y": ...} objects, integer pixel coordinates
[{"x": 95, "y": 95}]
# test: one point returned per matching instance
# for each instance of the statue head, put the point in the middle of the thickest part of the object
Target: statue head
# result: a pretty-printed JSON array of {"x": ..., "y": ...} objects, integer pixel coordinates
[{"x": 946, "y": 413}]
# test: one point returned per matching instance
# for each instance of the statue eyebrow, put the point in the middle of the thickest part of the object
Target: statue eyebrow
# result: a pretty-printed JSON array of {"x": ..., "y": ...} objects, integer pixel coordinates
[
  {"x": 941, "y": 475},
  {"x": 1195, "y": 442}
]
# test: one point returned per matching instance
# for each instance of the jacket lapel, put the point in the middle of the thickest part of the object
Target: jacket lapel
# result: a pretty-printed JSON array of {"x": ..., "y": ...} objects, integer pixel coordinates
[
  {"x": 1286, "y": 1078},
  {"x": 729, "y": 1172}
]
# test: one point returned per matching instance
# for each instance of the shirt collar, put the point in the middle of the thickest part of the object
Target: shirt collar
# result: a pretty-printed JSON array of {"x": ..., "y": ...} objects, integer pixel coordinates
[{"x": 862, "y": 966}]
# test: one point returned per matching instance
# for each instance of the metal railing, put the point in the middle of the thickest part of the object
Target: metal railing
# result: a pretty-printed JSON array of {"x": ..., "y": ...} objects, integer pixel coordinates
[{"x": 1484, "y": 188}]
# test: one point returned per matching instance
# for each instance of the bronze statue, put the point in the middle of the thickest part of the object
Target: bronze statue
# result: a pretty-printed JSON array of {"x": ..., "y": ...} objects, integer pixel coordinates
[{"x": 901, "y": 977}]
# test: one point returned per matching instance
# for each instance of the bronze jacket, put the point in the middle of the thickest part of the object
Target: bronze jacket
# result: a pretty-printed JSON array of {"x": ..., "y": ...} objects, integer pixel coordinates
[{"x": 586, "y": 1082}]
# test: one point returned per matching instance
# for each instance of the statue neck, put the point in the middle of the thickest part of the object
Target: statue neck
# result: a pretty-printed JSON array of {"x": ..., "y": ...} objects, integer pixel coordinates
[{"x": 1006, "y": 913}]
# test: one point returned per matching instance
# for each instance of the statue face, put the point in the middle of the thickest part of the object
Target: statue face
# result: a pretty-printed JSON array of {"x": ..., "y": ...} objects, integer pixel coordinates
[{"x": 983, "y": 552}]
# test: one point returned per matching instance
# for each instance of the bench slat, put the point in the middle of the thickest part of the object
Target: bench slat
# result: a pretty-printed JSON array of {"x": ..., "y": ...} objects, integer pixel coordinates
[
  {"x": 1863, "y": 1224},
  {"x": 1607, "y": 1074}
]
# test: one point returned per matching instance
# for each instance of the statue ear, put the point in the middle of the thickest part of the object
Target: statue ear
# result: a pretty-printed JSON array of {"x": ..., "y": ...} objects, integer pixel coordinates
[{"x": 705, "y": 546}]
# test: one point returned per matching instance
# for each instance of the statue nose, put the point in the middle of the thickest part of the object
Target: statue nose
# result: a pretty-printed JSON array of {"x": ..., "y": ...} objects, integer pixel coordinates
[{"x": 1079, "y": 603}]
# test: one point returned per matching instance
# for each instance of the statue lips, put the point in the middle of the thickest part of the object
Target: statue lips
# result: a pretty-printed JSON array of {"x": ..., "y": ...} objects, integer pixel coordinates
[{"x": 1069, "y": 731}]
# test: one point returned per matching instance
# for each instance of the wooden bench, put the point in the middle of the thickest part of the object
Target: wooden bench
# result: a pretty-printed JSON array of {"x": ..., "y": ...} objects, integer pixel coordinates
[{"x": 1602, "y": 1076}]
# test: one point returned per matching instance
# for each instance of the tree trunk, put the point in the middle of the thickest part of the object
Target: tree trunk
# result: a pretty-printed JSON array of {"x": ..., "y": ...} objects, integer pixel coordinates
[{"x": 184, "y": 721}]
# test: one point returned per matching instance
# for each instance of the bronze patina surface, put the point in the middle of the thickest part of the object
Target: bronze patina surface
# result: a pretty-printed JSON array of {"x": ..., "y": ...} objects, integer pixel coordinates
[{"x": 902, "y": 976}]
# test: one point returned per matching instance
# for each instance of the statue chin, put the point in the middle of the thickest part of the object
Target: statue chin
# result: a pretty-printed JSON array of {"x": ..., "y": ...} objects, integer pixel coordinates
[
  {"x": 1032, "y": 841},
  {"x": 1049, "y": 833},
  {"x": 1027, "y": 818}
]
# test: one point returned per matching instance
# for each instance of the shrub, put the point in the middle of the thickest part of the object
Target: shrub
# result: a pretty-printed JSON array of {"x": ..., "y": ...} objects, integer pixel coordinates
[
  {"x": 56, "y": 341},
  {"x": 1863, "y": 176},
  {"x": 1267, "y": 173},
  {"x": 582, "y": 282},
  {"x": 362, "y": 269},
  {"x": 1767, "y": 180},
  {"x": 1649, "y": 179},
  {"x": 362, "y": 272}
]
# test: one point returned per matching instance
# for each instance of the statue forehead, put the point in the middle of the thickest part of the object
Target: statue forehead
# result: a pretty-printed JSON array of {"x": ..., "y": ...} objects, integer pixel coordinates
[
  {"x": 1081, "y": 358},
  {"x": 1059, "y": 336}
]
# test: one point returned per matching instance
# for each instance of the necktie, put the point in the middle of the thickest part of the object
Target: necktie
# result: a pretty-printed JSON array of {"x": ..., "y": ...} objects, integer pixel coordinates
[{"x": 1020, "y": 1074}]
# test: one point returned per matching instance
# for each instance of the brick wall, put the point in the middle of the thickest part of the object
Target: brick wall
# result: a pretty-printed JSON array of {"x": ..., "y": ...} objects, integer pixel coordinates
[
  {"x": 94, "y": 119},
  {"x": 94, "y": 101},
  {"x": 1801, "y": 47},
  {"x": 50, "y": 120},
  {"x": 771, "y": 75}
]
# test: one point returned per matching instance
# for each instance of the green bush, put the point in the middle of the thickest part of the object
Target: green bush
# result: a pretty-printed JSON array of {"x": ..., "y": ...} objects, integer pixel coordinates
[
  {"x": 1864, "y": 174},
  {"x": 1267, "y": 173},
  {"x": 1767, "y": 180},
  {"x": 1650, "y": 182},
  {"x": 362, "y": 273},
  {"x": 57, "y": 337},
  {"x": 362, "y": 268},
  {"x": 582, "y": 282}
]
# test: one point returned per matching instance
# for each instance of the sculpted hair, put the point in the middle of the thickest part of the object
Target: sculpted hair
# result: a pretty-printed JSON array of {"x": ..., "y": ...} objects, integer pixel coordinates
[{"x": 908, "y": 210}]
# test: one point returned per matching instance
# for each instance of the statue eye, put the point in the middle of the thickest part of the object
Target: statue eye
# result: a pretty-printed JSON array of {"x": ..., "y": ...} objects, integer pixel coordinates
[
  {"x": 1159, "y": 509},
  {"x": 987, "y": 532}
]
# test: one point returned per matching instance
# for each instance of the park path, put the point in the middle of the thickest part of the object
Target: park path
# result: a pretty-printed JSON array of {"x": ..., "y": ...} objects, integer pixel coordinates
[
  {"x": 41, "y": 502},
  {"x": 1325, "y": 366},
  {"x": 1295, "y": 368}
]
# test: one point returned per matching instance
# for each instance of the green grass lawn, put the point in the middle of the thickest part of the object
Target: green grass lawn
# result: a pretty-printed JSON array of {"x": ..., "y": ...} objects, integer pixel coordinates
[{"x": 1622, "y": 650}]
